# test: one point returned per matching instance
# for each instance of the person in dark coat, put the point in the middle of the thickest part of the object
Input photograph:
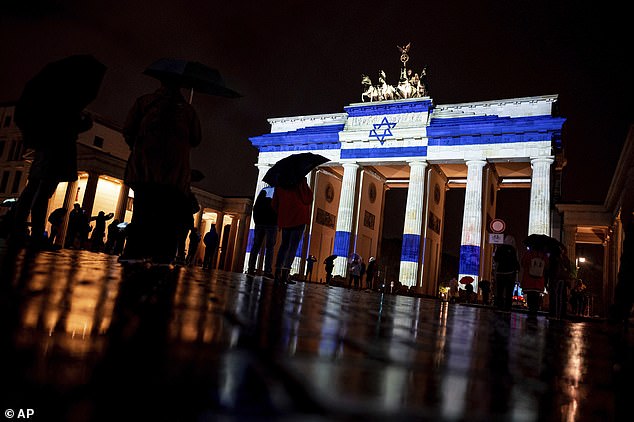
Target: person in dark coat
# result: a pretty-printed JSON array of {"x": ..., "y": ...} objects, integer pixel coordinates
[
  {"x": 56, "y": 218},
  {"x": 292, "y": 205},
  {"x": 161, "y": 129},
  {"x": 99, "y": 231},
  {"x": 310, "y": 263},
  {"x": 194, "y": 241},
  {"x": 329, "y": 267},
  {"x": 265, "y": 232},
  {"x": 485, "y": 288},
  {"x": 211, "y": 244},
  {"x": 506, "y": 267},
  {"x": 369, "y": 273},
  {"x": 54, "y": 161},
  {"x": 74, "y": 221}
]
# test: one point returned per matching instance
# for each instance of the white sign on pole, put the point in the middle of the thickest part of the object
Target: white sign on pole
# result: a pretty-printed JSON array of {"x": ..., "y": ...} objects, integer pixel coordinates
[{"x": 496, "y": 238}]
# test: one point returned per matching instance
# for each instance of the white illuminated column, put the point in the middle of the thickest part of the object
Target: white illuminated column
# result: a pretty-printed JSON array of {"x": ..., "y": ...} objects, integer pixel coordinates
[
  {"x": 472, "y": 223},
  {"x": 413, "y": 223},
  {"x": 262, "y": 169},
  {"x": 539, "y": 213},
  {"x": 344, "y": 218}
]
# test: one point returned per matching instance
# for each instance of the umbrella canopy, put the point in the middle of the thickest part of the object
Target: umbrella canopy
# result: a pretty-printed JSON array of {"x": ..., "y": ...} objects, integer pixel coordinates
[
  {"x": 330, "y": 258},
  {"x": 290, "y": 170},
  {"x": 191, "y": 74},
  {"x": 544, "y": 243},
  {"x": 466, "y": 280},
  {"x": 65, "y": 86}
]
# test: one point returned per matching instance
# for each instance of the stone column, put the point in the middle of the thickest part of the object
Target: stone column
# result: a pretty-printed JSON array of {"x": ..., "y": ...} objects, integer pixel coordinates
[
  {"x": 471, "y": 238},
  {"x": 122, "y": 202},
  {"x": 410, "y": 249},
  {"x": 69, "y": 201},
  {"x": 262, "y": 169},
  {"x": 220, "y": 217},
  {"x": 91, "y": 191},
  {"x": 539, "y": 213},
  {"x": 345, "y": 216}
]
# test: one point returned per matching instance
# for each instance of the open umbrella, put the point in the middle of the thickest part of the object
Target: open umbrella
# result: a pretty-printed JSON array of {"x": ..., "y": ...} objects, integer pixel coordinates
[
  {"x": 64, "y": 86},
  {"x": 330, "y": 258},
  {"x": 191, "y": 74},
  {"x": 466, "y": 280},
  {"x": 290, "y": 170},
  {"x": 544, "y": 243}
]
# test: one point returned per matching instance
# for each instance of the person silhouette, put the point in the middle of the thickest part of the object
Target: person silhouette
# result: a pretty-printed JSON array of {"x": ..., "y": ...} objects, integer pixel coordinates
[
  {"x": 211, "y": 244},
  {"x": 50, "y": 114},
  {"x": 98, "y": 233},
  {"x": 292, "y": 205},
  {"x": 161, "y": 129},
  {"x": 54, "y": 161},
  {"x": 265, "y": 232}
]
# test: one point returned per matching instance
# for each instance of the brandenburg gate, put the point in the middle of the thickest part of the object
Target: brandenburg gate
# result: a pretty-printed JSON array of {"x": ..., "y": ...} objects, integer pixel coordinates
[{"x": 397, "y": 137}]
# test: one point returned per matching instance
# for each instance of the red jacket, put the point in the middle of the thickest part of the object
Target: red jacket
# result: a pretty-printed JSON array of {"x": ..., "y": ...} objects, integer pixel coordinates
[{"x": 293, "y": 205}]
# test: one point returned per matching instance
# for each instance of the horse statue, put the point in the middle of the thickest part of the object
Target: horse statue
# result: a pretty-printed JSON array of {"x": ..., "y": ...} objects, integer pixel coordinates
[
  {"x": 386, "y": 92},
  {"x": 370, "y": 92},
  {"x": 405, "y": 87}
]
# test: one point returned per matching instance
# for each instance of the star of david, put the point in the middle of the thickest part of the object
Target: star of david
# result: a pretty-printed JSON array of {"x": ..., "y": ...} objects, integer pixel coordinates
[{"x": 387, "y": 130}]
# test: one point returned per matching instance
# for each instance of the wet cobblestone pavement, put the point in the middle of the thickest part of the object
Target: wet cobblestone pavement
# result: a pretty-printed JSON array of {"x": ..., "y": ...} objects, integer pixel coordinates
[{"x": 85, "y": 339}]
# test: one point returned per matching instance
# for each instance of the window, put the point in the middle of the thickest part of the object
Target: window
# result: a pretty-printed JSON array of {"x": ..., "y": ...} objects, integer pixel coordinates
[
  {"x": 4, "y": 181},
  {"x": 16, "y": 182},
  {"x": 98, "y": 142},
  {"x": 7, "y": 121},
  {"x": 2, "y": 144}
]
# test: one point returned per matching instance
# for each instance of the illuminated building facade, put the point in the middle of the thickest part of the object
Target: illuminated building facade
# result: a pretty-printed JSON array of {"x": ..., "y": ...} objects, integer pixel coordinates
[
  {"x": 593, "y": 234},
  {"x": 101, "y": 160},
  {"x": 413, "y": 143}
]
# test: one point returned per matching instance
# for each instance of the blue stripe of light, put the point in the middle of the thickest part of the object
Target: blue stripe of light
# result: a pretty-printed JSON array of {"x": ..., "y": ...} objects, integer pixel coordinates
[
  {"x": 310, "y": 138},
  {"x": 410, "y": 248},
  {"x": 298, "y": 252},
  {"x": 493, "y": 130},
  {"x": 386, "y": 152},
  {"x": 342, "y": 243},
  {"x": 469, "y": 260},
  {"x": 250, "y": 240},
  {"x": 374, "y": 109}
]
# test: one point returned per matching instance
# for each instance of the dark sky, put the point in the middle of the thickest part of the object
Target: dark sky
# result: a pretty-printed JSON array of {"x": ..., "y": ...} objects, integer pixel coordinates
[{"x": 297, "y": 58}]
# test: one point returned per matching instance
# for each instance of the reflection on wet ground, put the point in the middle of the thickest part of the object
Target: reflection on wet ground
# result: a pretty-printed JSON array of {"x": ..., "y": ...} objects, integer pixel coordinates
[{"x": 84, "y": 338}]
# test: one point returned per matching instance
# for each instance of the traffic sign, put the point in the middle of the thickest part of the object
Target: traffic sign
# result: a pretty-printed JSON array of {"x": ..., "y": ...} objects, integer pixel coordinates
[{"x": 497, "y": 225}]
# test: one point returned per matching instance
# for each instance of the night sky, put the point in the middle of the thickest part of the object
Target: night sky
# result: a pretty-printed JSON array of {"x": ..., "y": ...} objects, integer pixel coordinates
[{"x": 295, "y": 58}]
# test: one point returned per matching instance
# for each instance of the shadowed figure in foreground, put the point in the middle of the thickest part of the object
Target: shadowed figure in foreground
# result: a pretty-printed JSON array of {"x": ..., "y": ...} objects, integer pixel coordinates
[
  {"x": 161, "y": 129},
  {"x": 50, "y": 115}
]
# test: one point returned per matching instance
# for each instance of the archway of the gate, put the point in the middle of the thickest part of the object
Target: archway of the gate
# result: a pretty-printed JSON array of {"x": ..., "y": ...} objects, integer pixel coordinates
[{"x": 420, "y": 255}]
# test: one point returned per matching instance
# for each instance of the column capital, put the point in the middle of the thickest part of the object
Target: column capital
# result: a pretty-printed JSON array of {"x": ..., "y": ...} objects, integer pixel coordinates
[
  {"x": 262, "y": 166},
  {"x": 351, "y": 165},
  {"x": 549, "y": 159},
  {"x": 476, "y": 162},
  {"x": 414, "y": 163}
]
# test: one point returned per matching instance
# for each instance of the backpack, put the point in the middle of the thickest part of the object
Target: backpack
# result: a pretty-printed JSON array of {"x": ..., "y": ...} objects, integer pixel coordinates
[{"x": 536, "y": 267}]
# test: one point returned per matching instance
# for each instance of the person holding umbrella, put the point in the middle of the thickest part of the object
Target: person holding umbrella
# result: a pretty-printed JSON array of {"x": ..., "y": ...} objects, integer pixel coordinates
[
  {"x": 50, "y": 115},
  {"x": 292, "y": 205},
  {"x": 161, "y": 129},
  {"x": 292, "y": 200}
]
